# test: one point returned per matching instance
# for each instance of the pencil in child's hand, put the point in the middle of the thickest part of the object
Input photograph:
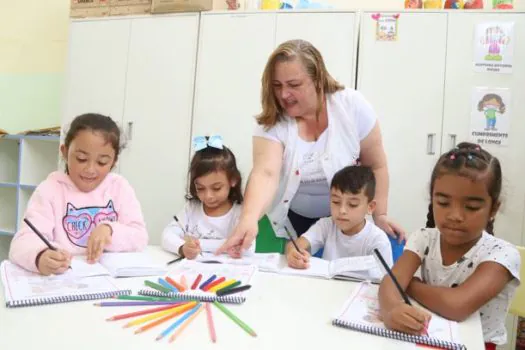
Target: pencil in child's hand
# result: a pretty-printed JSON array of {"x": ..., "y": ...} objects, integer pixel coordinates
[
  {"x": 385, "y": 265},
  {"x": 41, "y": 236},
  {"x": 291, "y": 238},
  {"x": 180, "y": 225}
]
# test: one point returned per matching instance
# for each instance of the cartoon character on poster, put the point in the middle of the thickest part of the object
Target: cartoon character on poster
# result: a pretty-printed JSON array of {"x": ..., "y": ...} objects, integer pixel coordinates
[
  {"x": 413, "y": 4},
  {"x": 494, "y": 47},
  {"x": 494, "y": 40},
  {"x": 491, "y": 105},
  {"x": 386, "y": 27}
]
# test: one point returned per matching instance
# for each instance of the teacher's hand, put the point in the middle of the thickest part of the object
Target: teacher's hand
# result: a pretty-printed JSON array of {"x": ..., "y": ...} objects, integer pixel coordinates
[
  {"x": 242, "y": 236},
  {"x": 390, "y": 227}
]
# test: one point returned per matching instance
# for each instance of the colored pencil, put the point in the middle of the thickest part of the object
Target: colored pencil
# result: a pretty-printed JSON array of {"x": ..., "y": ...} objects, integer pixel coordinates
[
  {"x": 142, "y": 297},
  {"x": 238, "y": 283},
  {"x": 233, "y": 290},
  {"x": 385, "y": 265},
  {"x": 175, "y": 260},
  {"x": 167, "y": 285},
  {"x": 136, "y": 303},
  {"x": 211, "y": 327},
  {"x": 213, "y": 284},
  {"x": 194, "y": 314},
  {"x": 235, "y": 319},
  {"x": 177, "y": 323},
  {"x": 175, "y": 313},
  {"x": 157, "y": 287},
  {"x": 184, "y": 283},
  {"x": 222, "y": 285},
  {"x": 208, "y": 281},
  {"x": 196, "y": 282},
  {"x": 153, "y": 316},
  {"x": 175, "y": 283},
  {"x": 142, "y": 312}
]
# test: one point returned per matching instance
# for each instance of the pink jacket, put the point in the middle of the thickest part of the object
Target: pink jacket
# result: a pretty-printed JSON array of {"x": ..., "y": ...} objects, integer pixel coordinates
[{"x": 66, "y": 216}]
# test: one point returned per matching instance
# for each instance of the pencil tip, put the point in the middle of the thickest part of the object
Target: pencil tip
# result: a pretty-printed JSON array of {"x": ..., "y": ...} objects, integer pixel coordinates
[
  {"x": 126, "y": 326},
  {"x": 158, "y": 338},
  {"x": 138, "y": 331}
]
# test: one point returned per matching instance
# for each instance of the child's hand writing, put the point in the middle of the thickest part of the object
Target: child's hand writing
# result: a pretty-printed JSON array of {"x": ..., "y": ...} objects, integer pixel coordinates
[
  {"x": 99, "y": 238},
  {"x": 298, "y": 260},
  {"x": 53, "y": 262},
  {"x": 235, "y": 252},
  {"x": 191, "y": 249},
  {"x": 407, "y": 319}
]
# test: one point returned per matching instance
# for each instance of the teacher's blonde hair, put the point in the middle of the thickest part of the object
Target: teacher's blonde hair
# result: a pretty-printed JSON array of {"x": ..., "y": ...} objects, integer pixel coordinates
[{"x": 315, "y": 67}]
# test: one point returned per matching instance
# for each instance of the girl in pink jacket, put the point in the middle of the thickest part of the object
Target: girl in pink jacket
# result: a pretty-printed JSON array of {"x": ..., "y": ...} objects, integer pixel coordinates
[{"x": 85, "y": 210}]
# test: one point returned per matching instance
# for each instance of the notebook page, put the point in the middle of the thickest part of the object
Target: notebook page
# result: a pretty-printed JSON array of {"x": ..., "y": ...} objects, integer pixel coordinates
[
  {"x": 132, "y": 264},
  {"x": 191, "y": 269},
  {"x": 264, "y": 261},
  {"x": 20, "y": 284},
  {"x": 318, "y": 268},
  {"x": 81, "y": 268},
  {"x": 363, "y": 308},
  {"x": 355, "y": 263}
]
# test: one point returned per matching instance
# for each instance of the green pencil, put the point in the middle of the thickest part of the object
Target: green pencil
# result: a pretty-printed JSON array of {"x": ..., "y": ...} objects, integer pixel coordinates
[
  {"x": 229, "y": 287},
  {"x": 142, "y": 297},
  {"x": 157, "y": 287},
  {"x": 235, "y": 319}
]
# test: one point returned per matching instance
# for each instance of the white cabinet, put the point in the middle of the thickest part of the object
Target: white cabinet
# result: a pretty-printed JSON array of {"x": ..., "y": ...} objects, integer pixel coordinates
[
  {"x": 460, "y": 80},
  {"x": 140, "y": 71},
  {"x": 233, "y": 50},
  {"x": 403, "y": 80},
  {"x": 334, "y": 34},
  {"x": 157, "y": 114}
]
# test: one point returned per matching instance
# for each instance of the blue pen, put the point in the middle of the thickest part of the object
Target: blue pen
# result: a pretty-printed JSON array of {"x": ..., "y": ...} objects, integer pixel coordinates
[
  {"x": 167, "y": 285},
  {"x": 178, "y": 322},
  {"x": 208, "y": 281}
]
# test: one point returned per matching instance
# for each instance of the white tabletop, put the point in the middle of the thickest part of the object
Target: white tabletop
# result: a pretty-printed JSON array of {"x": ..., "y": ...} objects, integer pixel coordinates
[{"x": 287, "y": 312}]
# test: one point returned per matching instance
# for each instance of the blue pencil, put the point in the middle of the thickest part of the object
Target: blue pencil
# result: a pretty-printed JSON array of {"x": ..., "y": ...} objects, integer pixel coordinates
[
  {"x": 208, "y": 281},
  {"x": 165, "y": 284},
  {"x": 178, "y": 322}
]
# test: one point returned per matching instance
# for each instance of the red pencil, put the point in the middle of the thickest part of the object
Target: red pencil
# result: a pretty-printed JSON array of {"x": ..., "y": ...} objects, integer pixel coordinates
[
  {"x": 143, "y": 312},
  {"x": 214, "y": 283},
  {"x": 211, "y": 327},
  {"x": 197, "y": 281}
]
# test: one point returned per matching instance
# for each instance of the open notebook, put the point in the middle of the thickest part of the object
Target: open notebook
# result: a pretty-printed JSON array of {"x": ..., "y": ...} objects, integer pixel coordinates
[
  {"x": 118, "y": 265},
  {"x": 357, "y": 268},
  {"x": 191, "y": 269},
  {"x": 264, "y": 261},
  {"x": 361, "y": 313},
  {"x": 24, "y": 288}
]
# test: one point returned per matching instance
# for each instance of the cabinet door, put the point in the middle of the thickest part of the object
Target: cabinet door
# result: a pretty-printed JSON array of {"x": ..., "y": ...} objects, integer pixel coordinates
[
  {"x": 333, "y": 34},
  {"x": 461, "y": 79},
  {"x": 159, "y": 98},
  {"x": 233, "y": 50},
  {"x": 96, "y": 68},
  {"x": 403, "y": 80}
]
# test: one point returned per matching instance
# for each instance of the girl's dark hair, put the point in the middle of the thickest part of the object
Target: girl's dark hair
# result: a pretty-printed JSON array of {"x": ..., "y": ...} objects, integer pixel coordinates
[
  {"x": 471, "y": 161},
  {"x": 489, "y": 97},
  {"x": 95, "y": 122},
  {"x": 212, "y": 159}
]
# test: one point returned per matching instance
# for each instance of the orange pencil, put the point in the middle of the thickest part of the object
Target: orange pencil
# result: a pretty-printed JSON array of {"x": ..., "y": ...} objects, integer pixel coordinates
[
  {"x": 175, "y": 284},
  {"x": 143, "y": 312},
  {"x": 165, "y": 318},
  {"x": 152, "y": 316},
  {"x": 185, "y": 324},
  {"x": 184, "y": 283}
]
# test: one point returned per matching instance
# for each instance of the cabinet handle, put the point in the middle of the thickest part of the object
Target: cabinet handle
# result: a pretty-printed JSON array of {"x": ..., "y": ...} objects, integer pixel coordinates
[
  {"x": 452, "y": 140},
  {"x": 130, "y": 130},
  {"x": 430, "y": 144}
]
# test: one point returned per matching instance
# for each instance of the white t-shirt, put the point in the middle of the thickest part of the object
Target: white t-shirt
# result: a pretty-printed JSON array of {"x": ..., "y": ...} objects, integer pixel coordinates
[
  {"x": 427, "y": 245},
  {"x": 312, "y": 198},
  {"x": 211, "y": 231},
  {"x": 324, "y": 233}
]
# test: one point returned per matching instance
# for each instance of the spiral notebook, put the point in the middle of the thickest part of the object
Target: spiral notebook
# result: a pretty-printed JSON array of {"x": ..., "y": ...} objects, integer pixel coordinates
[
  {"x": 192, "y": 269},
  {"x": 361, "y": 313},
  {"x": 23, "y": 288}
]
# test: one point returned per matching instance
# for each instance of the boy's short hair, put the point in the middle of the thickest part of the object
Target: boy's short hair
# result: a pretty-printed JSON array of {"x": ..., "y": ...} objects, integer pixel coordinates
[{"x": 354, "y": 179}]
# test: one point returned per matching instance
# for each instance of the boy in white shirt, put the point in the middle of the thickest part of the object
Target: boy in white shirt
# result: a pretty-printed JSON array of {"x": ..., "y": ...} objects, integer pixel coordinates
[{"x": 346, "y": 233}]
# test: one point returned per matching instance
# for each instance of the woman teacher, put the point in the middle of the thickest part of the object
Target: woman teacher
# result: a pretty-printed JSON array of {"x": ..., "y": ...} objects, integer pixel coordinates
[{"x": 310, "y": 127}]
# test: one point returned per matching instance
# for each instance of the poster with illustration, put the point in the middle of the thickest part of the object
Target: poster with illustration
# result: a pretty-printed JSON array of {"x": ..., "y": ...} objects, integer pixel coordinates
[
  {"x": 502, "y": 4},
  {"x": 386, "y": 26},
  {"x": 494, "y": 47},
  {"x": 491, "y": 116}
]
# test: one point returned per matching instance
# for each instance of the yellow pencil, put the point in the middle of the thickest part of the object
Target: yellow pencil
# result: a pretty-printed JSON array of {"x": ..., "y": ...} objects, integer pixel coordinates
[
  {"x": 153, "y": 316},
  {"x": 222, "y": 285},
  {"x": 185, "y": 324}
]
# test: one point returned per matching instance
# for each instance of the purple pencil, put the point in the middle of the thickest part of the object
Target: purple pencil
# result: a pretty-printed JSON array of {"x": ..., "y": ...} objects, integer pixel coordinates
[{"x": 137, "y": 303}]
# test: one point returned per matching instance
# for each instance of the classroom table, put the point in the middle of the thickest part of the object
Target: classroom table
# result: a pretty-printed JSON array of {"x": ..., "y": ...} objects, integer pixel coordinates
[{"x": 287, "y": 312}]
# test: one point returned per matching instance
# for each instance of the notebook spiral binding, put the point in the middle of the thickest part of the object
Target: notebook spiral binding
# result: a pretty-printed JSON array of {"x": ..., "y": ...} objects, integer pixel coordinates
[
  {"x": 64, "y": 299},
  {"x": 387, "y": 333},
  {"x": 227, "y": 299}
]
